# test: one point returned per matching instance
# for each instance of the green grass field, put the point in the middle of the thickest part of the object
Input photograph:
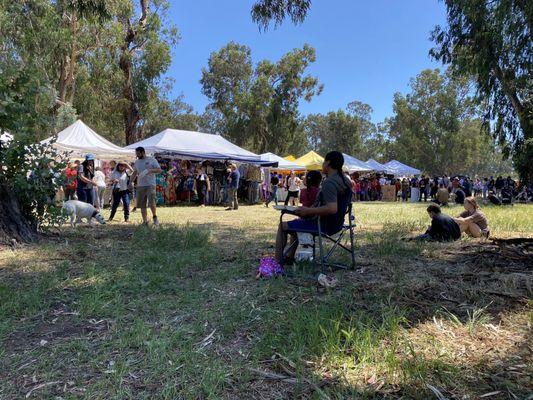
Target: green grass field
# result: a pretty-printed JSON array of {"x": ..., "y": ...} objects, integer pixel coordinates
[{"x": 124, "y": 311}]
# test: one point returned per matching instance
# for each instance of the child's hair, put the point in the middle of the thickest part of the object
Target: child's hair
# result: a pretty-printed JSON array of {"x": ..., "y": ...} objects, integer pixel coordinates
[{"x": 313, "y": 179}]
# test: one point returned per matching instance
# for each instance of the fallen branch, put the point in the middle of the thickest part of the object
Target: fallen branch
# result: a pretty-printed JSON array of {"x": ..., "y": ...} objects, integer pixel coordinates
[
  {"x": 512, "y": 240},
  {"x": 41, "y": 386}
]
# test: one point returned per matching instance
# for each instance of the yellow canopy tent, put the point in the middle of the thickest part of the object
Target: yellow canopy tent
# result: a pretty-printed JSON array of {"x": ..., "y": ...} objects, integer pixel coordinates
[
  {"x": 290, "y": 157},
  {"x": 311, "y": 161}
]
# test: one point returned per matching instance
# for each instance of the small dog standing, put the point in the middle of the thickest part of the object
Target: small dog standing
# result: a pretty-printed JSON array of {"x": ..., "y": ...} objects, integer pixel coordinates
[{"x": 77, "y": 210}]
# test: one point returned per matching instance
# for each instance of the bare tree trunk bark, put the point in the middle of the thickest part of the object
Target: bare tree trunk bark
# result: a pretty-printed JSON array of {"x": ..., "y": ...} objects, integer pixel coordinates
[
  {"x": 71, "y": 81},
  {"x": 131, "y": 114},
  {"x": 131, "y": 111},
  {"x": 13, "y": 225},
  {"x": 68, "y": 65}
]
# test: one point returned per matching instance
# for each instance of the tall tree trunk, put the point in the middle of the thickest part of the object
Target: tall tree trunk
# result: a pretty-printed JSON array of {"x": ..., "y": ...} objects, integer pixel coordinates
[
  {"x": 13, "y": 225},
  {"x": 68, "y": 64},
  {"x": 131, "y": 114},
  {"x": 131, "y": 111},
  {"x": 71, "y": 81}
]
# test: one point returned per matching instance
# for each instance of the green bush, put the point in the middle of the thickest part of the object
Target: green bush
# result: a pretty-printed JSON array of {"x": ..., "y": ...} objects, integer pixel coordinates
[{"x": 33, "y": 172}]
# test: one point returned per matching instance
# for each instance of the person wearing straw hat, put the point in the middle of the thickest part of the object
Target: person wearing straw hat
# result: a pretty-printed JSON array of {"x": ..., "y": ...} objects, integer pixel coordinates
[{"x": 119, "y": 180}]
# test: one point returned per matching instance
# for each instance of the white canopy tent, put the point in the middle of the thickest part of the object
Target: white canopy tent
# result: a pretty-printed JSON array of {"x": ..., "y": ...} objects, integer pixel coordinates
[
  {"x": 376, "y": 166},
  {"x": 355, "y": 165},
  {"x": 79, "y": 139},
  {"x": 397, "y": 168},
  {"x": 282, "y": 162},
  {"x": 197, "y": 146}
]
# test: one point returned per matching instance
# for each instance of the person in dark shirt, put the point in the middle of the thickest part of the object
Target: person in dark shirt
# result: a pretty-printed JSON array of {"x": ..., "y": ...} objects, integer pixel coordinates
[
  {"x": 442, "y": 229},
  {"x": 459, "y": 196},
  {"x": 274, "y": 183},
  {"x": 330, "y": 205},
  {"x": 233, "y": 187},
  {"x": 494, "y": 199},
  {"x": 498, "y": 186}
]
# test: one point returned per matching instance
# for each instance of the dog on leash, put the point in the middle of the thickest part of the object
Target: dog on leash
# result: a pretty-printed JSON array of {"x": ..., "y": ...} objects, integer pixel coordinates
[{"x": 77, "y": 210}]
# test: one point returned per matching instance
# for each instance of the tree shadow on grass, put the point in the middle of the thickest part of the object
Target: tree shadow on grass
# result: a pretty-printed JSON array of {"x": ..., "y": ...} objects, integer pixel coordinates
[
  {"x": 451, "y": 315},
  {"x": 106, "y": 281}
]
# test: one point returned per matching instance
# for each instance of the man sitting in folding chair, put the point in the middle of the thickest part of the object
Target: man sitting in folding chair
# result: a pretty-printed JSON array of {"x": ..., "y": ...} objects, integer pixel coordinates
[{"x": 325, "y": 218}]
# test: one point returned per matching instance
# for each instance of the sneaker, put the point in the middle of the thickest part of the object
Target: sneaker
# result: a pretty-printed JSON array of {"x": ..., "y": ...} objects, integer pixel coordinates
[
  {"x": 126, "y": 220},
  {"x": 156, "y": 222},
  {"x": 229, "y": 209}
]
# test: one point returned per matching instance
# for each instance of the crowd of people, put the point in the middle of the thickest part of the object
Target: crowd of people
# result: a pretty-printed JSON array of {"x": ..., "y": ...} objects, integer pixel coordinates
[
  {"x": 439, "y": 189},
  {"x": 136, "y": 182},
  {"x": 86, "y": 183},
  {"x": 133, "y": 183},
  {"x": 444, "y": 189}
]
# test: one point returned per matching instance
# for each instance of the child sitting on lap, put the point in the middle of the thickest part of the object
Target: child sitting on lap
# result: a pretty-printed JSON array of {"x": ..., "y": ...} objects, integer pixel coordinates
[{"x": 312, "y": 183}]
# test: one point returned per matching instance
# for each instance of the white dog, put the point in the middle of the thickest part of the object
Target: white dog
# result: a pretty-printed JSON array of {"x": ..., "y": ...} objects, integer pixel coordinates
[{"x": 77, "y": 210}]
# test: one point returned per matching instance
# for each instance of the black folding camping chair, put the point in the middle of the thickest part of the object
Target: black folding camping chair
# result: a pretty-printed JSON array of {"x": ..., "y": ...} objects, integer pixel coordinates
[{"x": 320, "y": 238}]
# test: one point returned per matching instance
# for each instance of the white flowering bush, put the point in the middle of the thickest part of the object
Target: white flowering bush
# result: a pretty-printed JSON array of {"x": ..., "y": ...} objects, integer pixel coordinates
[{"x": 33, "y": 173}]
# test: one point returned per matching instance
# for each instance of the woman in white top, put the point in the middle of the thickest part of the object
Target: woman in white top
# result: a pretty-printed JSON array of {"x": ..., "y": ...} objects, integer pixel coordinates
[
  {"x": 293, "y": 186},
  {"x": 119, "y": 181},
  {"x": 99, "y": 188},
  {"x": 203, "y": 186}
]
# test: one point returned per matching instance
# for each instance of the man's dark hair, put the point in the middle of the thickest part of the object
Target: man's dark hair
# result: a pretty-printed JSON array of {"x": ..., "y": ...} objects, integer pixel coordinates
[
  {"x": 140, "y": 149},
  {"x": 336, "y": 160},
  {"x": 434, "y": 209}
]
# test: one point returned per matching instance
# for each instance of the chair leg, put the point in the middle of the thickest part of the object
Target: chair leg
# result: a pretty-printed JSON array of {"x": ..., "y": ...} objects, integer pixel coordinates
[
  {"x": 321, "y": 250},
  {"x": 352, "y": 245}
]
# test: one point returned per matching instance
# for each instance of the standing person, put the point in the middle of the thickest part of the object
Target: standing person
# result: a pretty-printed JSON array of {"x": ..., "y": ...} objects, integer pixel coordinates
[
  {"x": 144, "y": 170},
  {"x": 364, "y": 189},
  {"x": 85, "y": 183},
  {"x": 498, "y": 185},
  {"x": 472, "y": 221},
  {"x": 446, "y": 181},
  {"x": 485, "y": 187},
  {"x": 397, "y": 189},
  {"x": 467, "y": 186},
  {"x": 99, "y": 188},
  {"x": 203, "y": 186},
  {"x": 422, "y": 186},
  {"x": 233, "y": 188},
  {"x": 378, "y": 188},
  {"x": 405, "y": 189},
  {"x": 119, "y": 180},
  {"x": 357, "y": 190},
  {"x": 71, "y": 180},
  {"x": 478, "y": 187},
  {"x": 274, "y": 184},
  {"x": 293, "y": 188}
]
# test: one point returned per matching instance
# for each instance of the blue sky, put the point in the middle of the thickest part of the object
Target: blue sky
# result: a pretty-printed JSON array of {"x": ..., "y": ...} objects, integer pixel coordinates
[{"x": 366, "y": 50}]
